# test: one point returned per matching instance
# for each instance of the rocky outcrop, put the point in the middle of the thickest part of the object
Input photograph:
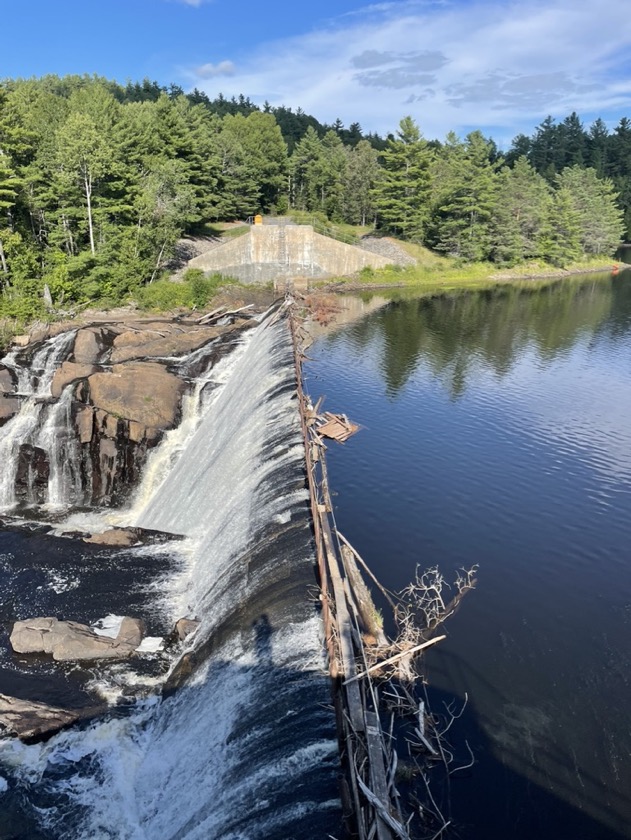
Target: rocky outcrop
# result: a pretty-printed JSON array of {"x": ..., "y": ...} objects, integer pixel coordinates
[
  {"x": 134, "y": 345},
  {"x": 143, "y": 392},
  {"x": 67, "y": 373},
  {"x": 8, "y": 381},
  {"x": 32, "y": 721},
  {"x": 126, "y": 392},
  {"x": 69, "y": 640},
  {"x": 9, "y": 406}
]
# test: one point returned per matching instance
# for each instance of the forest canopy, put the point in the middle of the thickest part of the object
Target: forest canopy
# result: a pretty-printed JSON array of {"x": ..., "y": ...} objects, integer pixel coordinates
[{"x": 98, "y": 181}]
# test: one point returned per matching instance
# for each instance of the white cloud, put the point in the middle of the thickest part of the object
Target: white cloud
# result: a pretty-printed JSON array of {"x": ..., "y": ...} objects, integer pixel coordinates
[
  {"x": 495, "y": 65},
  {"x": 209, "y": 71}
]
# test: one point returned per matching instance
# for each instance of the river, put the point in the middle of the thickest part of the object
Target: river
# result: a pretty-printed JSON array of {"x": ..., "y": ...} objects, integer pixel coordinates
[{"x": 496, "y": 432}]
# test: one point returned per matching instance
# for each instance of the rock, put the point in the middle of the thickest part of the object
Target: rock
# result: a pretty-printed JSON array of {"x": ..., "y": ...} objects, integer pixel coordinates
[
  {"x": 84, "y": 421},
  {"x": 115, "y": 537},
  {"x": 21, "y": 340},
  {"x": 31, "y": 480},
  {"x": 69, "y": 372},
  {"x": 139, "y": 345},
  {"x": 32, "y": 635},
  {"x": 69, "y": 640},
  {"x": 8, "y": 380},
  {"x": 184, "y": 627},
  {"x": 32, "y": 721},
  {"x": 8, "y": 407},
  {"x": 144, "y": 392},
  {"x": 87, "y": 346}
]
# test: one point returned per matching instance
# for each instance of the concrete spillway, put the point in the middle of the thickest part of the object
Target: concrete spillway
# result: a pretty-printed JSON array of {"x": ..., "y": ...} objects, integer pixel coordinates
[{"x": 271, "y": 252}]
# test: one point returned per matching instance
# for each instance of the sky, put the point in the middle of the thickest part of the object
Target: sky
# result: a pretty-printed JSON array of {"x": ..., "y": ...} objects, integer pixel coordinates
[{"x": 459, "y": 65}]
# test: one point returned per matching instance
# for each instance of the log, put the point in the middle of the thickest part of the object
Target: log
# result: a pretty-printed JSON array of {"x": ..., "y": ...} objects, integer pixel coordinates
[{"x": 395, "y": 658}]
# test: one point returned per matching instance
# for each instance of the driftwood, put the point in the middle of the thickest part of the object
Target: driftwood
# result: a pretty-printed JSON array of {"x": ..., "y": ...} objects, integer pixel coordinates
[{"x": 395, "y": 658}]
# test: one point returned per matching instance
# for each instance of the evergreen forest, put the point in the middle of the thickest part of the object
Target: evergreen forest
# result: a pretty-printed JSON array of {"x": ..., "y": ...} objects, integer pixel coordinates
[{"x": 99, "y": 181}]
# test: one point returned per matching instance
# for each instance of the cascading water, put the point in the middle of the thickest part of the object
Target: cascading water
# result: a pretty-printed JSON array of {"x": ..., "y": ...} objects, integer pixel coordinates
[
  {"x": 245, "y": 748},
  {"x": 34, "y": 383}
]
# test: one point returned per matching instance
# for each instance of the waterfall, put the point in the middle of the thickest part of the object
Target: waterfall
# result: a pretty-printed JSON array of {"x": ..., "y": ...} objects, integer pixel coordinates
[
  {"x": 245, "y": 748},
  {"x": 34, "y": 383}
]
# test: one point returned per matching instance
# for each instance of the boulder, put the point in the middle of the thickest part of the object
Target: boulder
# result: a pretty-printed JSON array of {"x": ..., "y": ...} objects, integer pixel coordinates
[
  {"x": 21, "y": 340},
  {"x": 69, "y": 372},
  {"x": 9, "y": 406},
  {"x": 87, "y": 346},
  {"x": 8, "y": 380},
  {"x": 32, "y": 635},
  {"x": 32, "y": 721},
  {"x": 185, "y": 627},
  {"x": 69, "y": 640},
  {"x": 144, "y": 392},
  {"x": 115, "y": 537},
  {"x": 148, "y": 343}
]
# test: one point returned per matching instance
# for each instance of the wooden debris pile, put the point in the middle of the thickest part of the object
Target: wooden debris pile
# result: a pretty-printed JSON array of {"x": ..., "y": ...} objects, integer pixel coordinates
[{"x": 373, "y": 677}]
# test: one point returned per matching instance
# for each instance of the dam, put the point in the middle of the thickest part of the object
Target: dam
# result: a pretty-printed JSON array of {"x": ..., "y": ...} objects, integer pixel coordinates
[
  {"x": 238, "y": 739},
  {"x": 276, "y": 252}
]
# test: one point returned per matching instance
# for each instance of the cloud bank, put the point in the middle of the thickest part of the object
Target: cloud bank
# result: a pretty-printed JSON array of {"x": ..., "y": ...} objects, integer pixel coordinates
[{"x": 452, "y": 65}]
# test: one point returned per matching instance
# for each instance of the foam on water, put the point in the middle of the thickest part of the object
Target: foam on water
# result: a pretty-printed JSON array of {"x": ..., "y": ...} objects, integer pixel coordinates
[{"x": 246, "y": 748}]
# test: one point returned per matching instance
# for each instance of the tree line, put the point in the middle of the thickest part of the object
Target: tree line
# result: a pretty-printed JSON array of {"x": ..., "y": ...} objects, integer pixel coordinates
[{"x": 99, "y": 180}]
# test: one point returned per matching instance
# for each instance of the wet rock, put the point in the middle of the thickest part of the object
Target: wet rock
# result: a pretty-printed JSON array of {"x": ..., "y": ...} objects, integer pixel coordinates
[
  {"x": 144, "y": 392},
  {"x": 8, "y": 407},
  {"x": 185, "y": 627},
  {"x": 8, "y": 380},
  {"x": 84, "y": 421},
  {"x": 32, "y": 474},
  {"x": 115, "y": 537},
  {"x": 69, "y": 640},
  {"x": 32, "y": 721},
  {"x": 69, "y": 372}
]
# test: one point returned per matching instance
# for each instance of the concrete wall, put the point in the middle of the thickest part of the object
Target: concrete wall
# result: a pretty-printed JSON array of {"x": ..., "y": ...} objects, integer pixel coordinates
[{"x": 273, "y": 252}]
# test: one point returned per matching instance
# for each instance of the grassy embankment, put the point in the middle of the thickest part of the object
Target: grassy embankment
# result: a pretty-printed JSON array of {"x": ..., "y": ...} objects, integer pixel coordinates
[
  {"x": 432, "y": 274},
  {"x": 437, "y": 273}
]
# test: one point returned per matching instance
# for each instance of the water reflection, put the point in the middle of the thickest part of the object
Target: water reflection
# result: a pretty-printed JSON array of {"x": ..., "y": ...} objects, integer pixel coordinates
[
  {"x": 496, "y": 432},
  {"x": 453, "y": 334}
]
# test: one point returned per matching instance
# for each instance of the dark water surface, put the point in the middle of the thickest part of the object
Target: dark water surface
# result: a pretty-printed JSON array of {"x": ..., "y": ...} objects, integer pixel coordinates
[{"x": 498, "y": 432}]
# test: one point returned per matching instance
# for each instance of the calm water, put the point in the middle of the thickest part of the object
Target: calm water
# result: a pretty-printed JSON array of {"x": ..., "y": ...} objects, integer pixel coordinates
[{"x": 497, "y": 431}]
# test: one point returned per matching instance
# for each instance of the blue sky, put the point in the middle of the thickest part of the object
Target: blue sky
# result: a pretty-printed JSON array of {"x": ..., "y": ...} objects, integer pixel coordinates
[{"x": 451, "y": 64}]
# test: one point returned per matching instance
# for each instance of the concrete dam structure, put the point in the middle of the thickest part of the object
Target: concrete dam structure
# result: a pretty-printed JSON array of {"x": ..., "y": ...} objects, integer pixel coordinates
[{"x": 286, "y": 252}]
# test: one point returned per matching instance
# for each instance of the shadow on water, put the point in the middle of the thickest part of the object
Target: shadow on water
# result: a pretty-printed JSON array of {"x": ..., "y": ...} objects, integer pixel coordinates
[{"x": 493, "y": 799}]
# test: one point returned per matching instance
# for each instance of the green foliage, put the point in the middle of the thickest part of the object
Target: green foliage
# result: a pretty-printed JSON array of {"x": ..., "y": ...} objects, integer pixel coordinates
[
  {"x": 98, "y": 182},
  {"x": 195, "y": 291},
  {"x": 401, "y": 194}
]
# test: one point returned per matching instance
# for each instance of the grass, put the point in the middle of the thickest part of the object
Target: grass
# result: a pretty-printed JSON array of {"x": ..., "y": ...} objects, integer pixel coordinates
[{"x": 434, "y": 273}]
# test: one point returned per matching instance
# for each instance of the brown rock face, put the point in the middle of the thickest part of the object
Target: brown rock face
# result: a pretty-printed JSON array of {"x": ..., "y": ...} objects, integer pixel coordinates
[
  {"x": 8, "y": 407},
  {"x": 32, "y": 721},
  {"x": 69, "y": 372},
  {"x": 69, "y": 640},
  {"x": 87, "y": 346},
  {"x": 184, "y": 627},
  {"x": 7, "y": 380},
  {"x": 144, "y": 392},
  {"x": 147, "y": 343}
]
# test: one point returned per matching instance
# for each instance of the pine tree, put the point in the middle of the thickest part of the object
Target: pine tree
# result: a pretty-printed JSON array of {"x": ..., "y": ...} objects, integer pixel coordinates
[
  {"x": 402, "y": 194},
  {"x": 595, "y": 202},
  {"x": 519, "y": 214},
  {"x": 464, "y": 197}
]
